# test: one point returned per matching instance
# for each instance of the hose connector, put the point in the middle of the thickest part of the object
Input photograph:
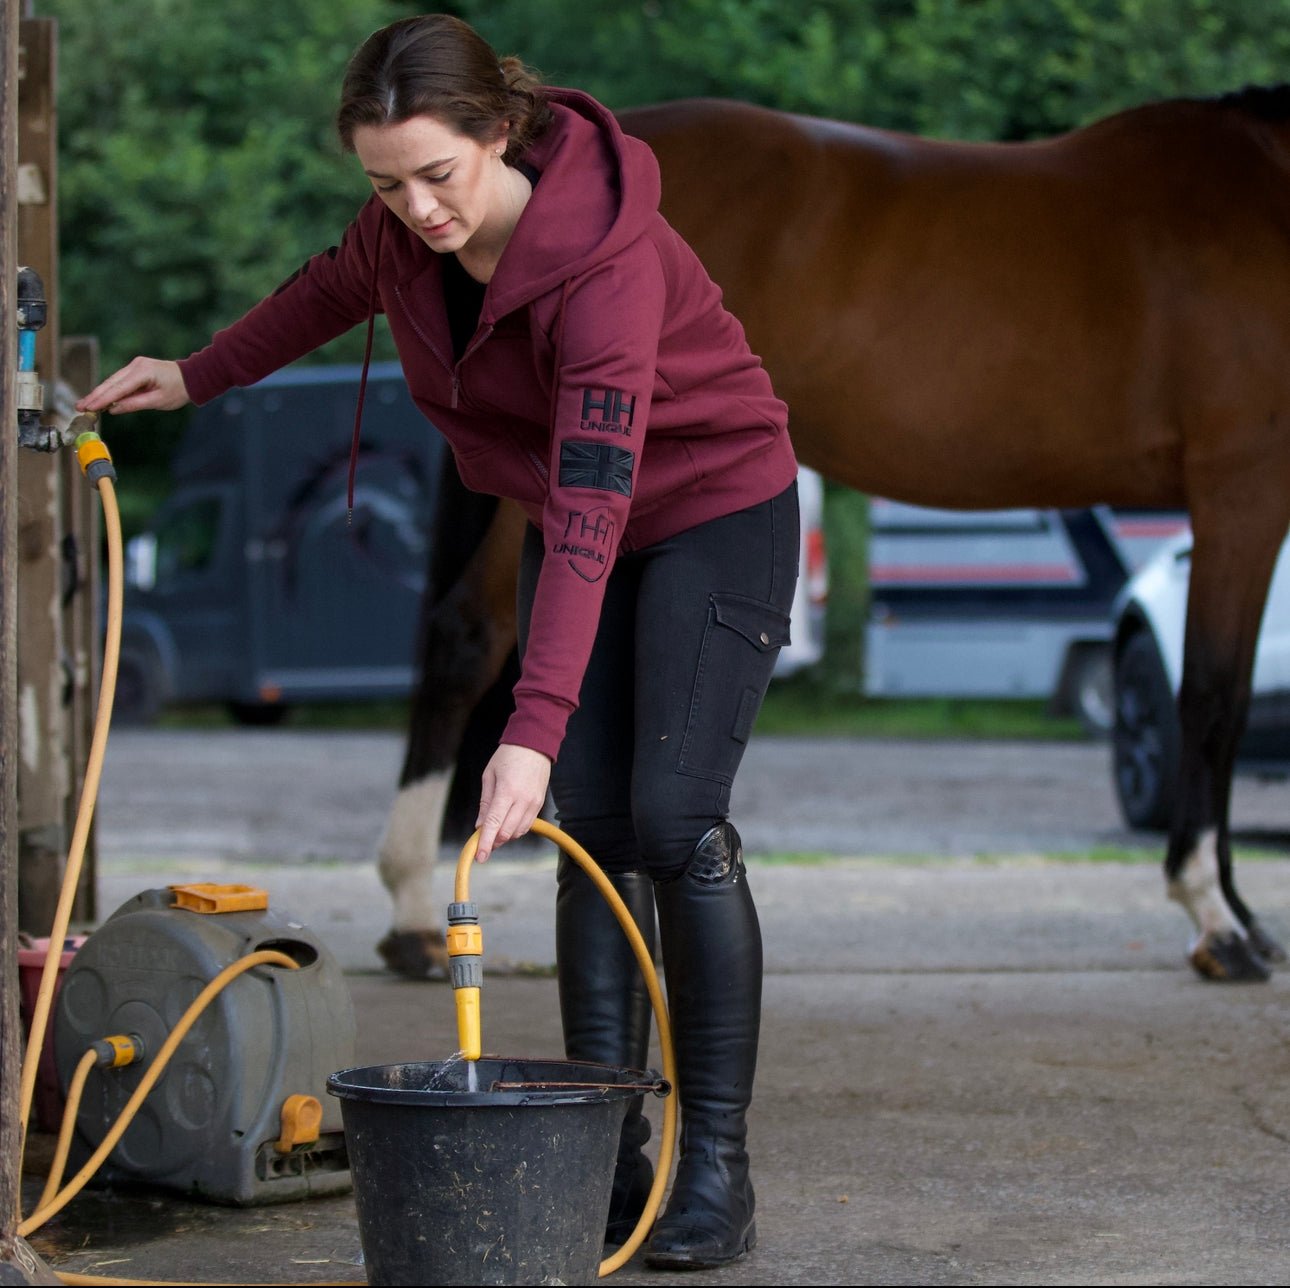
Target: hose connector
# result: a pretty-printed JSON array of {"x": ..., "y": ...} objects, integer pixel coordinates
[
  {"x": 95, "y": 459},
  {"x": 466, "y": 955},
  {"x": 117, "y": 1050}
]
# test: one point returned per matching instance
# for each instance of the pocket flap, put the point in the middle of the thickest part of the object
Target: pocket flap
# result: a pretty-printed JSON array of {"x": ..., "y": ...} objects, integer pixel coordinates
[{"x": 763, "y": 625}]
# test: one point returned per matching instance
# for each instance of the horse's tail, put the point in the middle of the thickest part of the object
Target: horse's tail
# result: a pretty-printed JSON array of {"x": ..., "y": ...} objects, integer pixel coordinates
[{"x": 461, "y": 517}]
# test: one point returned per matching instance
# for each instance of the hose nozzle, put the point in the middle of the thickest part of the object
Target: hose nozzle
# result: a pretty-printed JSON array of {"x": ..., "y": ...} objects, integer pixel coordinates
[{"x": 466, "y": 954}]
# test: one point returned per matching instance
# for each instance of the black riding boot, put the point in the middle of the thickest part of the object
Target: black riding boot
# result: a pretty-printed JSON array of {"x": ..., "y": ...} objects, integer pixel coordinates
[
  {"x": 712, "y": 958},
  {"x": 605, "y": 1010}
]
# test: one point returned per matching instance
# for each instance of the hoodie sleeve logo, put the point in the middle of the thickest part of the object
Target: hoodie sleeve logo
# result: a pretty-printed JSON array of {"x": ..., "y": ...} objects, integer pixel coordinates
[
  {"x": 608, "y": 411},
  {"x": 588, "y": 539},
  {"x": 597, "y": 465}
]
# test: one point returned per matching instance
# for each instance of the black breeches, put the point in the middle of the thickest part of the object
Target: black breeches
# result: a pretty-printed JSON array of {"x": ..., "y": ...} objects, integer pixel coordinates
[{"x": 688, "y": 638}]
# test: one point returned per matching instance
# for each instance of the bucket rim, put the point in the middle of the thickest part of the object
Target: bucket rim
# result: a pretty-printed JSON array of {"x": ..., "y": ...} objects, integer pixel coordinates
[{"x": 361, "y": 1083}]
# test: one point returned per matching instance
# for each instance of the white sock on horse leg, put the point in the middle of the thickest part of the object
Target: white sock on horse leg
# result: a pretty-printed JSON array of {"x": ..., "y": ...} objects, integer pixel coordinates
[
  {"x": 409, "y": 849},
  {"x": 1198, "y": 889}
]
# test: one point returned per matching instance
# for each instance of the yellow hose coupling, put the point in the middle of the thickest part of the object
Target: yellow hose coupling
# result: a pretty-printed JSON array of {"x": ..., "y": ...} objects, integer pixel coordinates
[
  {"x": 95, "y": 459},
  {"x": 118, "y": 1050},
  {"x": 301, "y": 1118},
  {"x": 466, "y": 956}
]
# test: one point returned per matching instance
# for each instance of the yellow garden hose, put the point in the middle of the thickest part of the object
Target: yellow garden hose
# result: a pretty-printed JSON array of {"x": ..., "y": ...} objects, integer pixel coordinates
[
  {"x": 67, "y": 1128},
  {"x": 96, "y": 463},
  {"x": 92, "y": 453},
  {"x": 468, "y": 942}
]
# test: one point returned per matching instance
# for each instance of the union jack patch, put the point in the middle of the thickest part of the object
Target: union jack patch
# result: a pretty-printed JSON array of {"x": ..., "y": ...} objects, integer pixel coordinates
[{"x": 601, "y": 466}]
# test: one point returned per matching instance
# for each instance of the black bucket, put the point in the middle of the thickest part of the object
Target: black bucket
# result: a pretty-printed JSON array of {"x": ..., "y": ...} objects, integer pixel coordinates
[{"x": 507, "y": 1184}]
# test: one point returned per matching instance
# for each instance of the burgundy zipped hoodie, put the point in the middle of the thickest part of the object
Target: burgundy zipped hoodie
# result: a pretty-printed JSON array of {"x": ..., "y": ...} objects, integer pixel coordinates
[{"x": 606, "y": 389}]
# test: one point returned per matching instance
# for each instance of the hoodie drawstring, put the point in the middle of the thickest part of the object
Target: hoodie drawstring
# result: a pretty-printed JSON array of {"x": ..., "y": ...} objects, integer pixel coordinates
[
  {"x": 362, "y": 383},
  {"x": 559, "y": 350}
]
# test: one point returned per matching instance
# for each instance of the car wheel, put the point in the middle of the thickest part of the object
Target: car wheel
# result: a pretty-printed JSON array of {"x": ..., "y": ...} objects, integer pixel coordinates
[
  {"x": 1089, "y": 689},
  {"x": 1147, "y": 737}
]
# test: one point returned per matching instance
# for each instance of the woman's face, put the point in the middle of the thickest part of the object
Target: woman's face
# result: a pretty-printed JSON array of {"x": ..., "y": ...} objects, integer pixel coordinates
[{"x": 446, "y": 187}]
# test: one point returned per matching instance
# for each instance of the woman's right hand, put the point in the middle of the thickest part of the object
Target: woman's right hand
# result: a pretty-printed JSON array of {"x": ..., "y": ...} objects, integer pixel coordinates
[{"x": 145, "y": 384}]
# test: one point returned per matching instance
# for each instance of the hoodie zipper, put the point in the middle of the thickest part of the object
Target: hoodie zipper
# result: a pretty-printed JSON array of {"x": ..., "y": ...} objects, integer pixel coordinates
[
  {"x": 454, "y": 370},
  {"x": 480, "y": 337}
]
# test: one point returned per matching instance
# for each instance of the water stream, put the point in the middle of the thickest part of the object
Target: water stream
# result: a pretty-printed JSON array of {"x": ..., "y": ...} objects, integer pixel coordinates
[{"x": 448, "y": 1076}]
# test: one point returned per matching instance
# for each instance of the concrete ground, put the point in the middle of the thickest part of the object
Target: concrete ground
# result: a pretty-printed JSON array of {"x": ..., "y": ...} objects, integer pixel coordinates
[
  {"x": 997, "y": 1074},
  {"x": 973, "y": 1071}
]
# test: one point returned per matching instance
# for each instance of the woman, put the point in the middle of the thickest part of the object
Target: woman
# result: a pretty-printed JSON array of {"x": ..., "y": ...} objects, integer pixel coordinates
[{"x": 574, "y": 354}]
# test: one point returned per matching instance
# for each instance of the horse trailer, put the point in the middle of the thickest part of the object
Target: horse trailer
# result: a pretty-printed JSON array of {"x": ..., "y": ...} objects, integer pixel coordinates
[{"x": 252, "y": 586}]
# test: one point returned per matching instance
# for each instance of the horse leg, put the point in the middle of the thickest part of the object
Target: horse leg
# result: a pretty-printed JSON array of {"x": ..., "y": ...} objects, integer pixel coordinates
[
  {"x": 1231, "y": 569},
  {"x": 466, "y": 639},
  {"x": 1260, "y": 940}
]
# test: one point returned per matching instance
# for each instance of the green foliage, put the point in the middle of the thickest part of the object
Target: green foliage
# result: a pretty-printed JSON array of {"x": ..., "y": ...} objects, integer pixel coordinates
[
  {"x": 846, "y": 538},
  {"x": 198, "y": 162},
  {"x": 799, "y": 704},
  {"x": 793, "y": 706},
  {"x": 811, "y": 57},
  {"x": 1016, "y": 69},
  {"x": 973, "y": 69}
]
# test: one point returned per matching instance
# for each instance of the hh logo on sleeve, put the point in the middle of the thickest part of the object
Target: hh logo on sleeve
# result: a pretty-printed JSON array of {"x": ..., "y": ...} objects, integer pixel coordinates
[
  {"x": 588, "y": 538},
  {"x": 601, "y": 466},
  {"x": 608, "y": 411}
]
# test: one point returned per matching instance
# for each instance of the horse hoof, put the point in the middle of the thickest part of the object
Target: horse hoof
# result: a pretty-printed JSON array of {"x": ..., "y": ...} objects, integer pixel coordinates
[
  {"x": 1229, "y": 959},
  {"x": 415, "y": 954},
  {"x": 1265, "y": 945}
]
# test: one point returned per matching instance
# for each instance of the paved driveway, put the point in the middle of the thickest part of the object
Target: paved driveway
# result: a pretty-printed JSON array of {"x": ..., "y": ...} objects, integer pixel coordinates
[{"x": 300, "y": 795}]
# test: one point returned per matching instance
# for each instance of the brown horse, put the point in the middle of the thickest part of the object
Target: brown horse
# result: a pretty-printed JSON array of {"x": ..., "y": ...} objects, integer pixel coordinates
[{"x": 1098, "y": 317}]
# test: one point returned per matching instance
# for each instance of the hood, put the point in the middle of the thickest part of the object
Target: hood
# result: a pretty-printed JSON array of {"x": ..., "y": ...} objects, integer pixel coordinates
[{"x": 597, "y": 190}]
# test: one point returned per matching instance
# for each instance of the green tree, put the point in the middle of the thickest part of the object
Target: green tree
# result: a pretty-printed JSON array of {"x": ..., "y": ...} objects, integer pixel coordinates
[
  {"x": 975, "y": 69},
  {"x": 198, "y": 165},
  {"x": 198, "y": 161},
  {"x": 1016, "y": 69}
]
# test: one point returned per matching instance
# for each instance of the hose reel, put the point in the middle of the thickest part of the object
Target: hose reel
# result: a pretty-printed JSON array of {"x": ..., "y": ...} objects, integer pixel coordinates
[{"x": 240, "y": 1115}]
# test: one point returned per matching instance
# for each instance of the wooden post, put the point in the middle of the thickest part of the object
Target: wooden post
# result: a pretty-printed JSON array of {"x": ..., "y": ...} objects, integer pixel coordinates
[
  {"x": 18, "y": 1264},
  {"x": 44, "y": 775},
  {"x": 10, "y": 1038}
]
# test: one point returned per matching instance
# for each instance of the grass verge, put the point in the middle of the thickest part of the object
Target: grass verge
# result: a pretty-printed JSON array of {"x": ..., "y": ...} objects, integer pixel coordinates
[{"x": 793, "y": 706}]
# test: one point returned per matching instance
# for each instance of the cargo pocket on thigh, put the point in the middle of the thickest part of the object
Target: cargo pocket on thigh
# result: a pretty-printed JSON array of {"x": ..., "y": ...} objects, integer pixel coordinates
[{"x": 740, "y": 644}]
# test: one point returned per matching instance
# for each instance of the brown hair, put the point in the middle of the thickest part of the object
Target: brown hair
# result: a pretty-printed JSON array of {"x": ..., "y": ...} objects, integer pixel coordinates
[{"x": 437, "y": 65}]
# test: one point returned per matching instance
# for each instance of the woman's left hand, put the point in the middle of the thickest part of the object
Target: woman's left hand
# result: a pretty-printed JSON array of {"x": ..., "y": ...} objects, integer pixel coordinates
[{"x": 514, "y": 791}]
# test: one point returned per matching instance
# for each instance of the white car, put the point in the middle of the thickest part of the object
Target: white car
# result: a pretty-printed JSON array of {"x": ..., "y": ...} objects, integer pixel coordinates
[{"x": 1149, "y": 617}]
